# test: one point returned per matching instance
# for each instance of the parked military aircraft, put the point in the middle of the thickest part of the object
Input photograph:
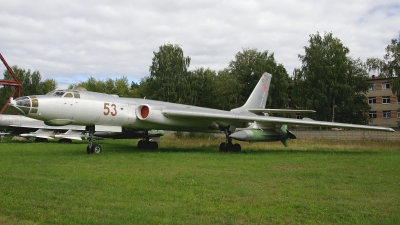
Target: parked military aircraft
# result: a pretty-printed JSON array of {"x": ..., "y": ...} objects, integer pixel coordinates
[
  {"x": 28, "y": 127},
  {"x": 103, "y": 112},
  {"x": 3, "y": 133}
]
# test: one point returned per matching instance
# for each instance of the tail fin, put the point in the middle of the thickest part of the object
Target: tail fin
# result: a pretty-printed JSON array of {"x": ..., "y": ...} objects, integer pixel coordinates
[{"x": 258, "y": 97}]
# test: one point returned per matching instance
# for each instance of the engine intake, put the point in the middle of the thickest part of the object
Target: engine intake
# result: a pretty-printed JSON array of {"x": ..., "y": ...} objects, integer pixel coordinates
[{"x": 143, "y": 111}]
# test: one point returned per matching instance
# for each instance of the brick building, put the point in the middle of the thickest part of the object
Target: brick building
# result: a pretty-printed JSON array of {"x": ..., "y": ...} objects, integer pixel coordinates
[{"x": 384, "y": 104}]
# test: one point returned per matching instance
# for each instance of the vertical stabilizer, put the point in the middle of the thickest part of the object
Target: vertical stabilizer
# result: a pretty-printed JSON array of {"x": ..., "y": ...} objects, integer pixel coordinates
[{"x": 258, "y": 97}]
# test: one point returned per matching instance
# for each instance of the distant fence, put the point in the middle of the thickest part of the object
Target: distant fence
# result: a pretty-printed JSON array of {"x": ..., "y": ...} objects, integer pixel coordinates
[{"x": 347, "y": 135}]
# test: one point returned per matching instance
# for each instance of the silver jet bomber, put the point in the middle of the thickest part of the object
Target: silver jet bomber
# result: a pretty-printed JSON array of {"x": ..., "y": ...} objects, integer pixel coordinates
[{"x": 103, "y": 112}]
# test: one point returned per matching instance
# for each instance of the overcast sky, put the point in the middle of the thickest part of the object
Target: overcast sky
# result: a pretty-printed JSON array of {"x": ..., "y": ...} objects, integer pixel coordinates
[{"x": 70, "y": 40}]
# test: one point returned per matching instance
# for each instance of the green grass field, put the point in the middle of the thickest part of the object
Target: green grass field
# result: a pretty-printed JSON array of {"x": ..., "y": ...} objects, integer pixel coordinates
[{"x": 190, "y": 182}]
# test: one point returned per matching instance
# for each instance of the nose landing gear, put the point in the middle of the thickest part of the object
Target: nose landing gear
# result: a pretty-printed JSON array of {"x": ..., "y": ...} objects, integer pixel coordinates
[{"x": 92, "y": 147}]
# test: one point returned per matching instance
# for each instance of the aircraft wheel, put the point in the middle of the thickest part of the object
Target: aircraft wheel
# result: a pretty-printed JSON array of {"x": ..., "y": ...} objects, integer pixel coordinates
[
  {"x": 236, "y": 147},
  {"x": 140, "y": 144},
  {"x": 228, "y": 147},
  {"x": 222, "y": 147},
  {"x": 96, "y": 148},
  {"x": 153, "y": 145},
  {"x": 89, "y": 150}
]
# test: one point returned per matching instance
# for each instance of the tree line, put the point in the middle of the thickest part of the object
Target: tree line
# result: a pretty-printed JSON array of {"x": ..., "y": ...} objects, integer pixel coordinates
[{"x": 329, "y": 80}]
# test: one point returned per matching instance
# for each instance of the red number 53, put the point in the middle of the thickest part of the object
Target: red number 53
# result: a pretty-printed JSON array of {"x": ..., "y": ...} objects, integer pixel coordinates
[{"x": 107, "y": 109}]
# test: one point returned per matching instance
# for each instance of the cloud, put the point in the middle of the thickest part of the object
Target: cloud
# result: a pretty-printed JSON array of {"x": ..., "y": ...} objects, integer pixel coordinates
[{"x": 71, "y": 40}]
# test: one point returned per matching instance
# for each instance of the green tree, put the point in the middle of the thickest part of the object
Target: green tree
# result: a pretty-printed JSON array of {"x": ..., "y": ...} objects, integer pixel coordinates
[
  {"x": 248, "y": 67},
  {"x": 356, "y": 108},
  {"x": 202, "y": 84},
  {"x": 330, "y": 82},
  {"x": 92, "y": 84},
  {"x": 377, "y": 65},
  {"x": 392, "y": 57},
  {"x": 226, "y": 90},
  {"x": 32, "y": 84},
  {"x": 122, "y": 87},
  {"x": 169, "y": 76},
  {"x": 389, "y": 66},
  {"x": 119, "y": 86},
  {"x": 135, "y": 90}
]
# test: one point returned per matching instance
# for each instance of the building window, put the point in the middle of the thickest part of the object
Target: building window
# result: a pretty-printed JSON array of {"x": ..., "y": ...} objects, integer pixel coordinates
[
  {"x": 298, "y": 116},
  {"x": 398, "y": 114},
  {"x": 372, "y": 114},
  {"x": 372, "y": 100},
  {"x": 385, "y": 85},
  {"x": 386, "y": 114},
  {"x": 373, "y": 87},
  {"x": 386, "y": 100}
]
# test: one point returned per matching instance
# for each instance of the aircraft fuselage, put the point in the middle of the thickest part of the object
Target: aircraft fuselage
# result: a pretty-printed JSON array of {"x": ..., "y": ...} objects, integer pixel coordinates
[{"x": 91, "y": 108}]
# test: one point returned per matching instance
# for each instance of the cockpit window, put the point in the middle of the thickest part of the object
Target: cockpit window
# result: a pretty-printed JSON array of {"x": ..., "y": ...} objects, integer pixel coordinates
[
  {"x": 65, "y": 93},
  {"x": 59, "y": 93},
  {"x": 68, "y": 95}
]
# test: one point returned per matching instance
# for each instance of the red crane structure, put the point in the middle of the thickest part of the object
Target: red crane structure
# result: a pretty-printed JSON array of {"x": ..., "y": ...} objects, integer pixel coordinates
[{"x": 15, "y": 83}]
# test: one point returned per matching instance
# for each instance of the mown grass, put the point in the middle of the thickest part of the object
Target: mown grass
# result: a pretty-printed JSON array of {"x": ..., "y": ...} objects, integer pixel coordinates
[{"x": 189, "y": 181}]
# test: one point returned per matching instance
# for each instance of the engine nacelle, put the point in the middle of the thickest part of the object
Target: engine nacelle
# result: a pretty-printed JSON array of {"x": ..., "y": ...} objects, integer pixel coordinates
[
  {"x": 255, "y": 135},
  {"x": 258, "y": 135},
  {"x": 150, "y": 114}
]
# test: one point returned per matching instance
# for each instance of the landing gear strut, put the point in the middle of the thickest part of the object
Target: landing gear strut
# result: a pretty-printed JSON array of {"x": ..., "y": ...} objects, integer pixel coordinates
[
  {"x": 228, "y": 145},
  {"x": 145, "y": 143},
  {"x": 92, "y": 147}
]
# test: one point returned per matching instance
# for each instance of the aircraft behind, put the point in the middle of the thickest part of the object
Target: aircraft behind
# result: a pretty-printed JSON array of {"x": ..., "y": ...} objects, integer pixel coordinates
[{"x": 37, "y": 129}]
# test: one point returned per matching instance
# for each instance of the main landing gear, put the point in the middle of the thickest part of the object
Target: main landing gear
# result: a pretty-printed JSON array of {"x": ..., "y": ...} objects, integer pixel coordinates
[
  {"x": 146, "y": 143},
  {"x": 228, "y": 145},
  {"x": 92, "y": 147}
]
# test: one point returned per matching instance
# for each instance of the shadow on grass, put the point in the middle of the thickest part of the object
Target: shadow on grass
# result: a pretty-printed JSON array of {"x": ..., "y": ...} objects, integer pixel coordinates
[{"x": 130, "y": 146}]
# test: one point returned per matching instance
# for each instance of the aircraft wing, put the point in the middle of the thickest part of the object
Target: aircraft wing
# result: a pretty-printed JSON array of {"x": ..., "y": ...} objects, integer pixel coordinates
[
  {"x": 264, "y": 121},
  {"x": 261, "y": 111}
]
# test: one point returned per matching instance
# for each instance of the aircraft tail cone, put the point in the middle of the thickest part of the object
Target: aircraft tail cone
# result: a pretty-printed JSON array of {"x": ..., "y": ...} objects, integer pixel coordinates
[
  {"x": 288, "y": 135},
  {"x": 285, "y": 142},
  {"x": 291, "y": 135}
]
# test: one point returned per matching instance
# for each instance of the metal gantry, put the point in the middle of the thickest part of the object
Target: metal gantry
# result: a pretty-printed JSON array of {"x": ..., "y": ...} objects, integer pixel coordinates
[{"x": 15, "y": 83}]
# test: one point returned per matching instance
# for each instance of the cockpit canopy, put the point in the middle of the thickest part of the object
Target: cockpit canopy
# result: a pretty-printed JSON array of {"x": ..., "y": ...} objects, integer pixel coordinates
[{"x": 65, "y": 93}]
